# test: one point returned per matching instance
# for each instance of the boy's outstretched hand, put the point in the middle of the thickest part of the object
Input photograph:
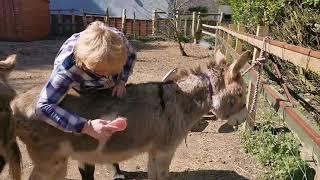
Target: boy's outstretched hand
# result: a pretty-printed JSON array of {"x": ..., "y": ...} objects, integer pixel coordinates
[{"x": 103, "y": 129}]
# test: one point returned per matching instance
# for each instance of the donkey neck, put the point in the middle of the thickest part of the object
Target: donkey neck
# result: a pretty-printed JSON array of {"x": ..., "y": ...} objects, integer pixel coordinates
[{"x": 197, "y": 97}]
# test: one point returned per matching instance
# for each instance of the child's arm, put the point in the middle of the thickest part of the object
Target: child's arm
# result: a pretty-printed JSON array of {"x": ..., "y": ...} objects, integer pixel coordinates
[
  {"x": 128, "y": 67},
  {"x": 47, "y": 106},
  {"x": 132, "y": 56}
]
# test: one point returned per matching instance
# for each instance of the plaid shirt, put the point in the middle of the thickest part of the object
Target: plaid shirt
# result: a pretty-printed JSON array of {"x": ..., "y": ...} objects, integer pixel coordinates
[{"x": 66, "y": 75}]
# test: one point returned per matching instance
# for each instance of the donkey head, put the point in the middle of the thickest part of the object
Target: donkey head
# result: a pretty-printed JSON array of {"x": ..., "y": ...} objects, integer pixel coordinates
[
  {"x": 9, "y": 151},
  {"x": 229, "y": 89}
]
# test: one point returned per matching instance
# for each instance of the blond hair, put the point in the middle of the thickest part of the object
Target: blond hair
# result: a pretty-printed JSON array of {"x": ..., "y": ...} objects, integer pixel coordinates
[{"x": 100, "y": 50}]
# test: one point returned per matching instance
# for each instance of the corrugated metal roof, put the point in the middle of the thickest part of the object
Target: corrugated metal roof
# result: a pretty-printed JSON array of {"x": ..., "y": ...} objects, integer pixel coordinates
[{"x": 142, "y": 8}]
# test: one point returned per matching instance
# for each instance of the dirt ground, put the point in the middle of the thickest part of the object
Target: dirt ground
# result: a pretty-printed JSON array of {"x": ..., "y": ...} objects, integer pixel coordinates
[{"x": 208, "y": 153}]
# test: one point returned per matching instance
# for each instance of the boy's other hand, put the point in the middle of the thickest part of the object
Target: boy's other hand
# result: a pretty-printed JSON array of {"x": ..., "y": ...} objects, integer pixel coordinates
[{"x": 119, "y": 90}]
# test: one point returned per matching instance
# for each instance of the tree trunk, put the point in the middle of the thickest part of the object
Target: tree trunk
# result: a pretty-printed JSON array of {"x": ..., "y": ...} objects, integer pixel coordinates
[
  {"x": 183, "y": 53},
  {"x": 178, "y": 35}
]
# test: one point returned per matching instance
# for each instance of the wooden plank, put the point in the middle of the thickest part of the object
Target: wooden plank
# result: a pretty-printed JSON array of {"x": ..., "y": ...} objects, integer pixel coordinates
[
  {"x": 134, "y": 25},
  {"x": 209, "y": 26},
  {"x": 154, "y": 22},
  {"x": 84, "y": 19},
  {"x": 185, "y": 26},
  {"x": 193, "y": 27},
  {"x": 107, "y": 18},
  {"x": 239, "y": 47},
  {"x": 60, "y": 21},
  {"x": 73, "y": 21},
  {"x": 208, "y": 33},
  {"x": 123, "y": 21},
  {"x": 294, "y": 119},
  {"x": 229, "y": 36},
  {"x": 198, "y": 29},
  {"x": 293, "y": 54},
  {"x": 262, "y": 31}
]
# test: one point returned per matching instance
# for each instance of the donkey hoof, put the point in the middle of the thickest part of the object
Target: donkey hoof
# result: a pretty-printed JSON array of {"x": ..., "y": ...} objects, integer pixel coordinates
[{"x": 119, "y": 177}]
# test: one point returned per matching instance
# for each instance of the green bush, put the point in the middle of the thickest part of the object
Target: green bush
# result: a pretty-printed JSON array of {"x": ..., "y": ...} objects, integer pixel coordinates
[
  {"x": 292, "y": 21},
  {"x": 276, "y": 148}
]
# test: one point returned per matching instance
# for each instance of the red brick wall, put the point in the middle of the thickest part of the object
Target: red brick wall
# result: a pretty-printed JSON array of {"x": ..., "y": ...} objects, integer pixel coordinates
[{"x": 24, "y": 20}]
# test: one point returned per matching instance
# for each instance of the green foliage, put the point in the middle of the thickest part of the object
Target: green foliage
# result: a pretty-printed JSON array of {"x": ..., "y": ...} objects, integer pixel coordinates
[
  {"x": 276, "y": 149},
  {"x": 256, "y": 12},
  {"x": 211, "y": 40},
  {"x": 292, "y": 21}
]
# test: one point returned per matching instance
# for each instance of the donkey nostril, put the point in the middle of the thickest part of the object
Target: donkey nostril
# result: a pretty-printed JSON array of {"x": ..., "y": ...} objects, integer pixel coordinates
[{"x": 2, "y": 163}]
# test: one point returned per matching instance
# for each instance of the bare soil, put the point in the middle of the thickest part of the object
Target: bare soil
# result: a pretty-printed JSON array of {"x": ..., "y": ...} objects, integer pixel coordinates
[{"x": 207, "y": 154}]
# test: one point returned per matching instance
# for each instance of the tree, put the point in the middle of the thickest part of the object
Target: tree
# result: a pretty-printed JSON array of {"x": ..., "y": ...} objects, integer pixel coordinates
[{"x": 173, "y": 28}]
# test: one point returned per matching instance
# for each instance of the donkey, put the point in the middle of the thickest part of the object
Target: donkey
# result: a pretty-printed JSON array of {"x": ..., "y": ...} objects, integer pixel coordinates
[
  {"x": 160, "y": 115},
  {"x": 9, "y": 150}
]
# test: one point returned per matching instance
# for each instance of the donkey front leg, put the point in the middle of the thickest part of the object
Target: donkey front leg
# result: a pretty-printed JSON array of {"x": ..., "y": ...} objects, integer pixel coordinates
[
  {"x": 52, "y": 169},
  {"x": 159, "y": 164},
  {"x": 87, "y": 171}
]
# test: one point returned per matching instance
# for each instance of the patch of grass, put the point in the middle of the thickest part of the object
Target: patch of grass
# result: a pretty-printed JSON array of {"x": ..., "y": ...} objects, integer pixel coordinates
[
  {"x": 273, "y": 145},
  {"x": 211, "y": 40}
]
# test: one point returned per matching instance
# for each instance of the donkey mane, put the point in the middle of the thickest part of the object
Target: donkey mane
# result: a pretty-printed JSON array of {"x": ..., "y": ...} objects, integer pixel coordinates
[{"x": 212, "y": 66}]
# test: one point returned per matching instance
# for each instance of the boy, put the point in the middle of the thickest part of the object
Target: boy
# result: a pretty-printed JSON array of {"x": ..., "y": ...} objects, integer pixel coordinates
[{"x": 99, "y": 57}]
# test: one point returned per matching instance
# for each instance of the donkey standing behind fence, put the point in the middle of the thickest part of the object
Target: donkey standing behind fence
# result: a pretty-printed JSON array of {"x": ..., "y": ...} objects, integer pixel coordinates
[{"x": 159, "y": 114}]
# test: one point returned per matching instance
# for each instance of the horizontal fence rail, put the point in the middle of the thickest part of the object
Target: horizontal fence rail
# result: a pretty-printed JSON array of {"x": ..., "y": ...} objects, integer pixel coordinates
[
  {"x": 300, "y": 56},
  {"x": 303, "y": 57}
]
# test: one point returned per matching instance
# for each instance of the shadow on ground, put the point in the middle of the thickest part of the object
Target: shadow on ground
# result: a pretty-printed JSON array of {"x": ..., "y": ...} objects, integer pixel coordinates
[{"x": 192, "y": 175}]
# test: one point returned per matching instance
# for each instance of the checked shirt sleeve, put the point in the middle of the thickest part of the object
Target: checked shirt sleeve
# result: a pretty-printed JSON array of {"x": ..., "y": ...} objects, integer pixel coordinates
[
  {"x": 48, "y": 104},
  {"x": 128, "y": 67},
  {"x": 132, "y": 56}
]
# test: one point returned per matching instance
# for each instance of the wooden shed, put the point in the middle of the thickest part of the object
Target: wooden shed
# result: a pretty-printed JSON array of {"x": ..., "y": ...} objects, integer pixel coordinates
[{"x": 24, "y": 20}]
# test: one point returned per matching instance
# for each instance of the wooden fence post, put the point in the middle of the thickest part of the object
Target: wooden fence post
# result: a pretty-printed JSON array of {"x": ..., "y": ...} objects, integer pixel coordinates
[
  {"x": 250, "y": 123},
  {"x": 60, "y": 21},
  {"x": 123, "y": 20},
  {"x": 73, "y": 21},
  {"x": 91, "y": 18},
  {"x": 154, "y": 22},
  {"x": 185, "y": 26},
  {"x": 134, "y": 25},
  {"x": 107, "y": 18},
  {"x": 220, "y": 19},
  {"x": 84, "y": 19},
  {"x": 198, "y": 29},
  {"x": 239, "y": 47},
  {"x": 229, "y": 37},
  {"x": 177, "y": 15},
  {"x": 193, "y": 25}
]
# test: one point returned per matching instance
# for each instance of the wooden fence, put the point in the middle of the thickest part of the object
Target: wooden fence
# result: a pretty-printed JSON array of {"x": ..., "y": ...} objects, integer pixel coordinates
[
  {"x": 66, "y": 22},
  {"x": 231, "y": 39},
  {"x": 189, "y": 23}
]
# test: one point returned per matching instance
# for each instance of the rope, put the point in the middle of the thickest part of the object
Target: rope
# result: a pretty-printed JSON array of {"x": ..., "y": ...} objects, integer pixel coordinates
[{"x": 259, "y": 61}]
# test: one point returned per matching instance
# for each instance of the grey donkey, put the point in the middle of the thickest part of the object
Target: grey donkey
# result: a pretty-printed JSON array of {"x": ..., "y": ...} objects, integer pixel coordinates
[{"x": 160, "y": 115}]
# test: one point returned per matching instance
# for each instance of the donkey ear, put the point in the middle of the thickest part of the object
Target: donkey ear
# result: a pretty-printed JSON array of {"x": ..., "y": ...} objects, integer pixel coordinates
[
  {"x": 219, "y": 57},
  {"x": 8, "y": 65},
  {"x": 235, "y": 67}
]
